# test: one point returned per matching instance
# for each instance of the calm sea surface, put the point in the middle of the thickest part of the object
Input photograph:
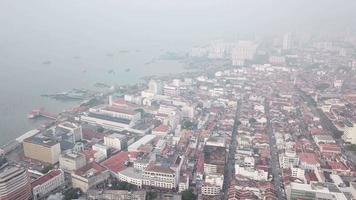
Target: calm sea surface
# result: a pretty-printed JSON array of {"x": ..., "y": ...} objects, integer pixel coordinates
[
  {"x": 83, "y": 40},
  {"x": 24, "y": 81}
]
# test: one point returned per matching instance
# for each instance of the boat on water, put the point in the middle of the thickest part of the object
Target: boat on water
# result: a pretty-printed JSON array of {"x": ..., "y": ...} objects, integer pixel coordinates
[
  {"x": 47, "y": 62},
  {"x": 34, "y": 113},
  {"x": 127, "y": 69}
]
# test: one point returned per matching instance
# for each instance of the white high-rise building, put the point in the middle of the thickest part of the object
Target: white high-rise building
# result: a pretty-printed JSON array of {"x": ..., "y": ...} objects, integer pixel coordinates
[
  {"x": 287, "y": 41},
  {"x": 155, "y": 87},
  {"x": 244, "y": 50},
  {"x": 219, "y": 49},
  {"x": 114, "y": 141}
]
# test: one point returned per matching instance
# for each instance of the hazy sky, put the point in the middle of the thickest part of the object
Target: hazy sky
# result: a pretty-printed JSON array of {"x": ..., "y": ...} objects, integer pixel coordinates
[
  {"x": 40, "y": 26},
  {"x": 33, "y": 31}
]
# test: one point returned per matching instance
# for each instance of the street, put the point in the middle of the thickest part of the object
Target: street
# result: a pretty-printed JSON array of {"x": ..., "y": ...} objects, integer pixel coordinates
[
  {"x": 276, "y": 170},
  {"x": 230, "y": 163}
]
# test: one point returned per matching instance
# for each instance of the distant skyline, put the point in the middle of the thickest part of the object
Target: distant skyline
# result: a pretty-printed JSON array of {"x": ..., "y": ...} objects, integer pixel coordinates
[{"x": 100, "y": 21}]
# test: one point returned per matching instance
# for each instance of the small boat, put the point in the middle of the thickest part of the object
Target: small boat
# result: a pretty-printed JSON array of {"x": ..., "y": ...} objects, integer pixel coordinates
[
  {"x": 127, "y": 69},
  {"x": 47, "y": 62}
]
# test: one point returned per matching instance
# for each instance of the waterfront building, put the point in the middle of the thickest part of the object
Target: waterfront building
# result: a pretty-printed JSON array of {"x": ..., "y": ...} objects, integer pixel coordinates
[
  {"x": 73, "y": 129},
  {"x": 42, "y": 148},
  {"x": 111, "y": 117}
]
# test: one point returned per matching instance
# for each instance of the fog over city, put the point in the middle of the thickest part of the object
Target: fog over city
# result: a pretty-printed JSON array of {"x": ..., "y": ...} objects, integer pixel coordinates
[{"x": 168, "y": 99}]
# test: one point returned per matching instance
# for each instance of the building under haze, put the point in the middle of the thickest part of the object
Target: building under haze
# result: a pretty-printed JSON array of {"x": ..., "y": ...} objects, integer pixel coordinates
[
  {"x": 42, "y": 148},
  {"x": 243, "y": 51},
  {"x": 287, "y": 41},
  {"x": 14, "y": 182}
]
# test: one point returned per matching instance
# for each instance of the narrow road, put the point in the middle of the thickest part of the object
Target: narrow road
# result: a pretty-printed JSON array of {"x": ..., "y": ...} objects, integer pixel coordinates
[
  {"x": 317, "y": 112},
  {"x": 276, "y": 170},
  {"x": 229, "y": 170}
]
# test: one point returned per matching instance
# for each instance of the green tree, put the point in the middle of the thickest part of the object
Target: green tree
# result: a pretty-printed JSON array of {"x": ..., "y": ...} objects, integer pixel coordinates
[
  {"x": 151, "y": 195},
  {"x": 46, "y": 169},
  {"x": 188, "y": 125},
  {"x": 140, "y": 110},
  {"x": 351, "y": 147},
  {"x": 252, "y": 120},
  {"x": 100, "y": 129},
  {"x": 188, "y": 195},
  {"x": 72, "y": 193}
]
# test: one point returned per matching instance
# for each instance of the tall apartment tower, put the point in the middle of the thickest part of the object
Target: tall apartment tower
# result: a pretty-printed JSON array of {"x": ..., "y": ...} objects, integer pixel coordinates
[
  {"x": 287, "y": 41},
  {"x": 14, "y": 183}
]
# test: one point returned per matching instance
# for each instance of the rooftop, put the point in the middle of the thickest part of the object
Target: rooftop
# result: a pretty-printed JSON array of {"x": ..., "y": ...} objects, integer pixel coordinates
[
  {"x": 116, "y": 163},
  {"x": 41, "y": 140},
  {"x": 92, "y": 168},
  {"x": 109, "y": 118},
  {"x": 308, "y": 158},
  {"x": 132, "y": 172},
  {"x": 120, "y": 110},
  {"x": 160, "y": 169},
  {"x": 46, "y": 177},
  {"x": 8, "y": 171}
]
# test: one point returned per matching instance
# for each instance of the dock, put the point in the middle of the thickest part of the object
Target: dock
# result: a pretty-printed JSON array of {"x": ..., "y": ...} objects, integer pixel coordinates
[{"x": 41, "y": 113}]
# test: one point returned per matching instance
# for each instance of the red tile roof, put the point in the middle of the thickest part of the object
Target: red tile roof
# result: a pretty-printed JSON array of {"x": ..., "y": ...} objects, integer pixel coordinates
[
  {"x": 116, "y": 163},
  {"x": 89, "y": 154},
  {"x": 91, "y": 166},
  {"x": 162, "y": 128},
  {"x": 337, "y": 166},
  {"x": 89, "y": 134},
  {"x": 308, "y": 158},
  {"x": 330, "y": 148},
  {"x": 120, "y": 110},
  {"x": 46, "y": 178}
]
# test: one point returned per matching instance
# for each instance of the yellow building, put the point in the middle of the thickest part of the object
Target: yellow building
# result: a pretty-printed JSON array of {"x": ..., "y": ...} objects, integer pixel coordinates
[{"x": 42, "y": 149}]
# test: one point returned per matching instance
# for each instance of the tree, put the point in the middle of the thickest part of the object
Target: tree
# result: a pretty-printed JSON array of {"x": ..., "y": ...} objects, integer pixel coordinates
[
  {"x": 351, "y": 147},
  {"x": 140, "y": 110},
  {"x": 322, "y": 86},
  {"x": 151, "y": 195},
  {"x": 100, "y": 129},
  {"x": 188, "y": 195},
  {"x": 72, "y": 193},
  {"x": 118, "y": 185},
  {"x": 46, "y": 169},
  {"x": 188, "y": 125},
  {"x": 252, "y": 120}
]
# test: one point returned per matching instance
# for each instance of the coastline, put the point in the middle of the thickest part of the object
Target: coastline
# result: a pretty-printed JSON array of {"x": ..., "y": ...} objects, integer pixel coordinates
[{"x": 9, "y": 145}]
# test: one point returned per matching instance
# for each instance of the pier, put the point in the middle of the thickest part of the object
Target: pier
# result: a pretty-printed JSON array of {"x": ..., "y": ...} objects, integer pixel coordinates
[{"x": 41, "y": 113}]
